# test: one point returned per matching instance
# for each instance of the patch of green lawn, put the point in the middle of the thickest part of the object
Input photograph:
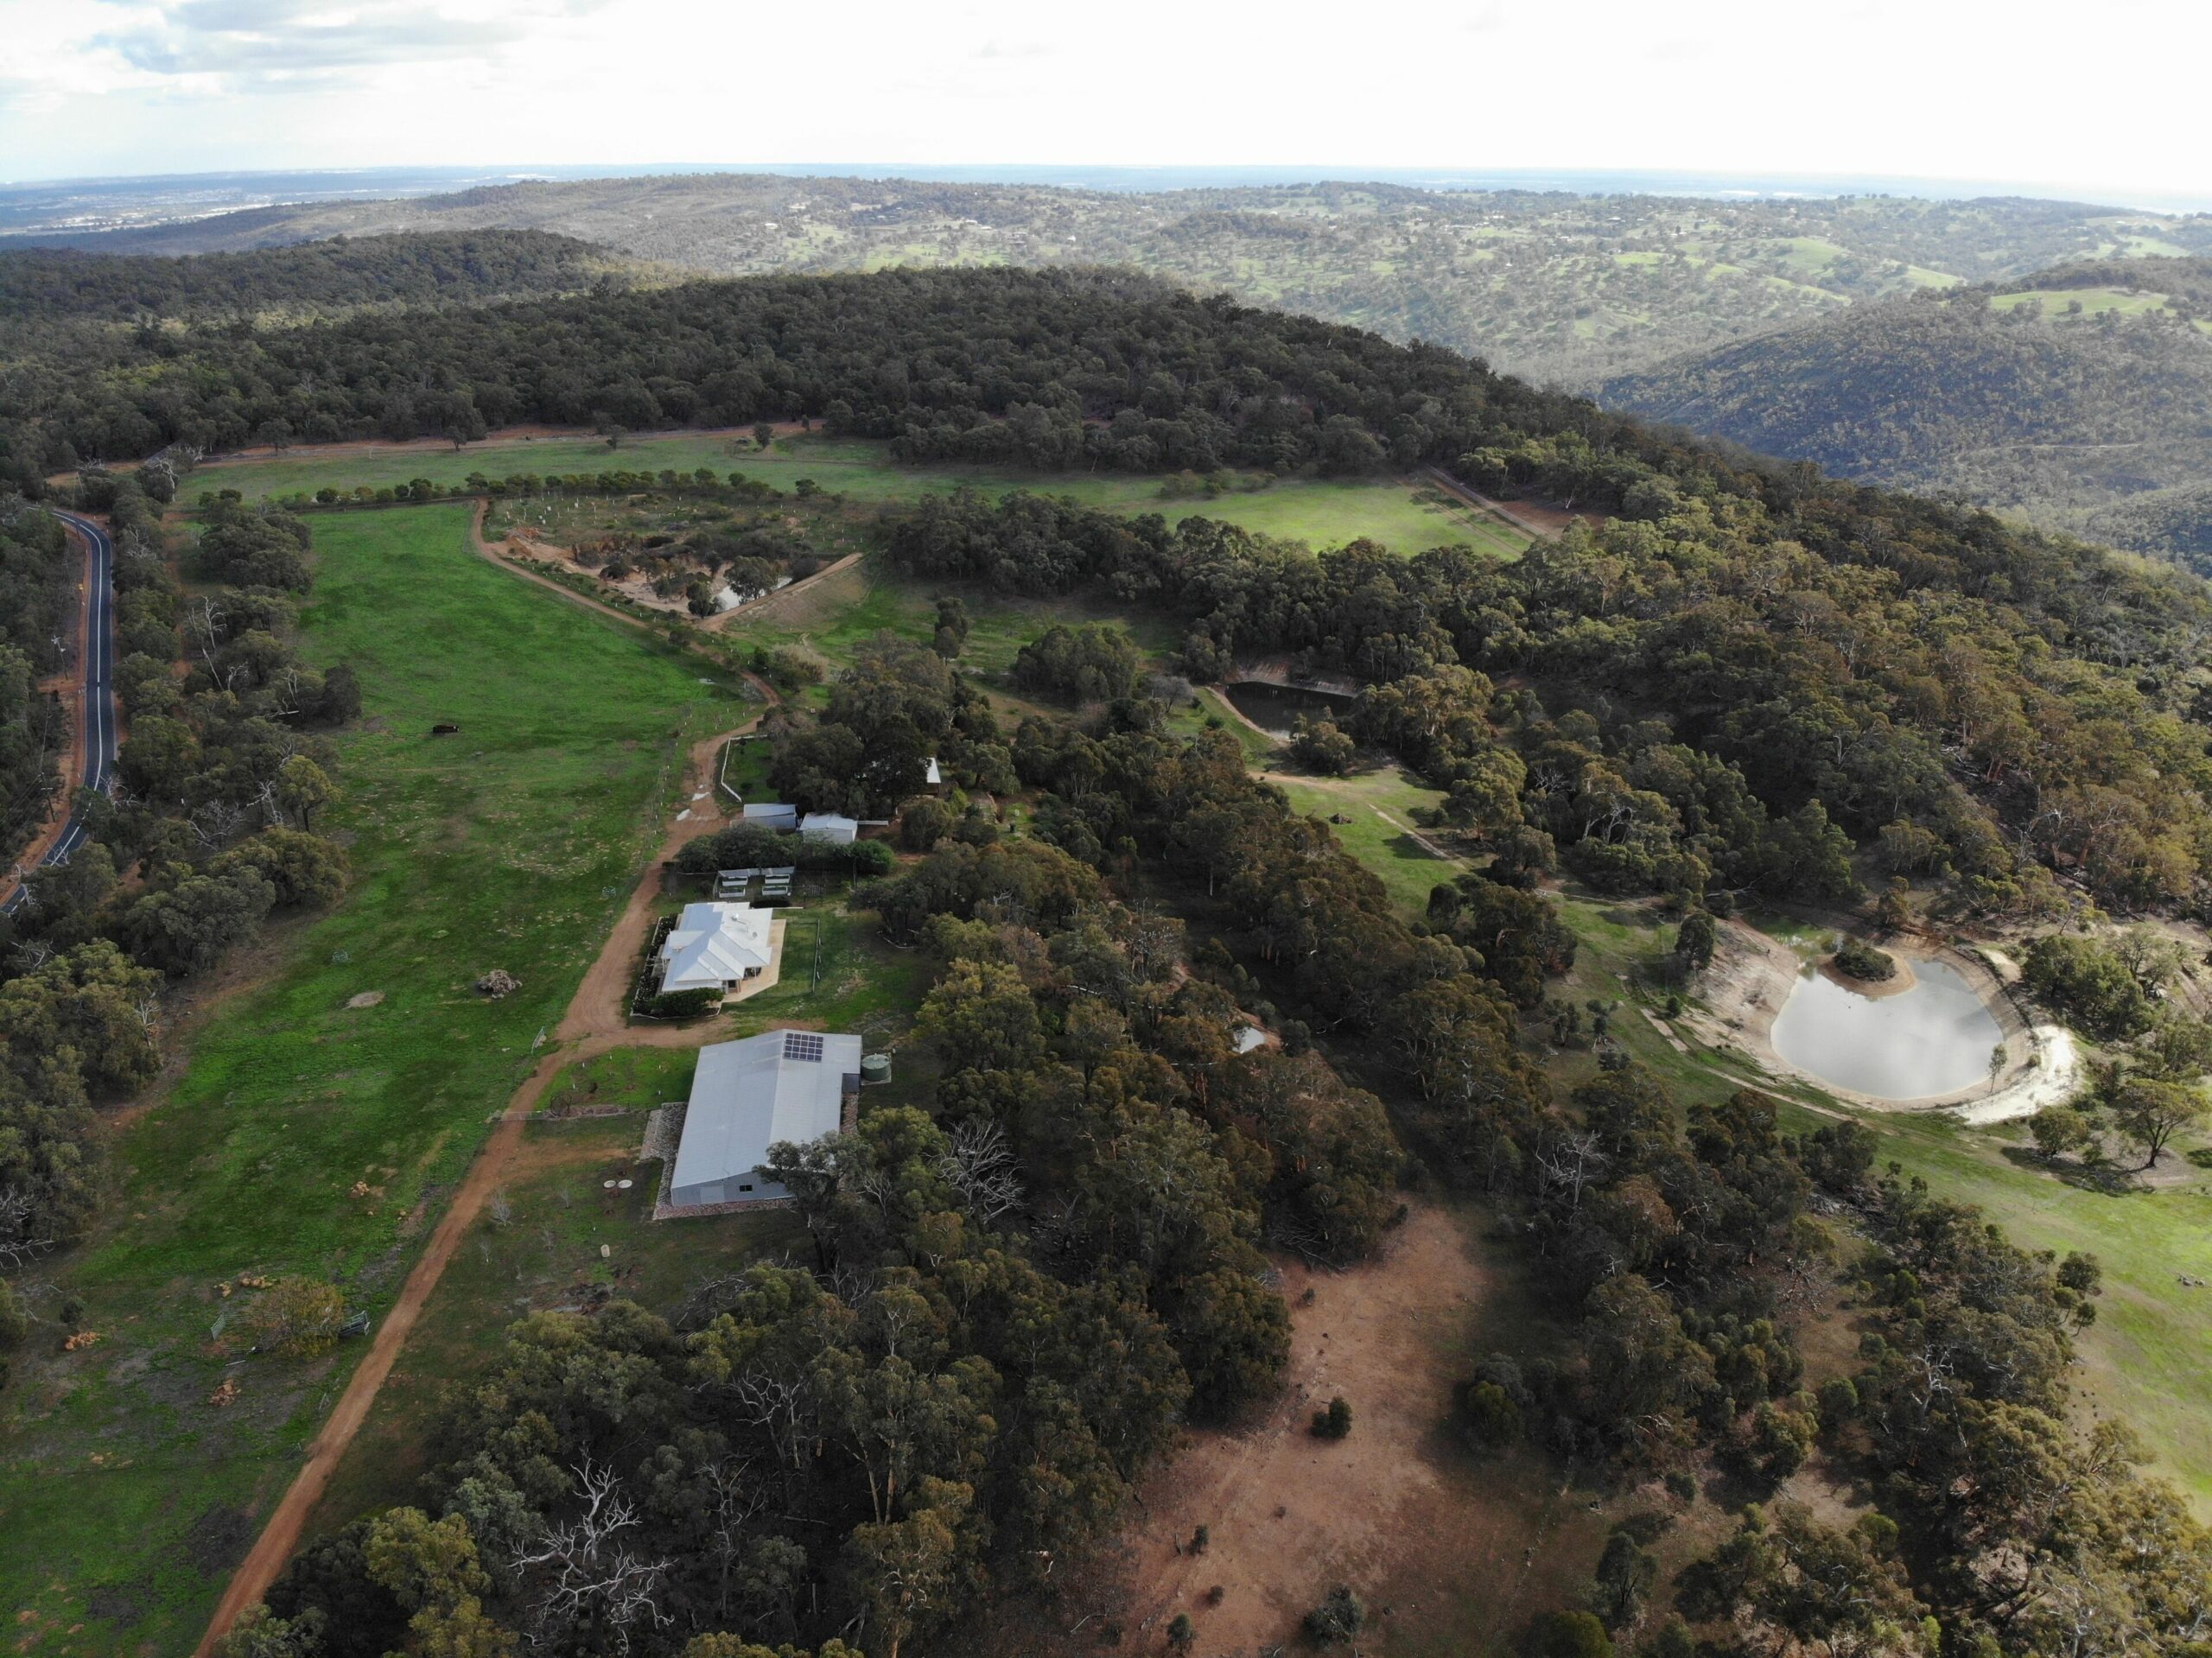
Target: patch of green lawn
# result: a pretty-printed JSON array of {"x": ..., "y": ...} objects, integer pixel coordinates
[
  {"x": 1377, "y": 809},
  {"x": 512, "y": 844}
]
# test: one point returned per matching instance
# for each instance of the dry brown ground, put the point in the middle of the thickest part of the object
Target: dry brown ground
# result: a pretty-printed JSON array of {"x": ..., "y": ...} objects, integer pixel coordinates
[{"x": 1451, "y": 1552}]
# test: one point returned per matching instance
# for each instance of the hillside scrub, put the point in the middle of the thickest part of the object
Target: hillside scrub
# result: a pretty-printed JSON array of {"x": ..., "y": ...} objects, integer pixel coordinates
[
  {"x": 1727, "y": 761},
  {"x": 2030, "y": 404},
  {"x": 1558, "y": 287},
  {"x": 209, "y": 835},
  {"x": 38, "y": 573}
]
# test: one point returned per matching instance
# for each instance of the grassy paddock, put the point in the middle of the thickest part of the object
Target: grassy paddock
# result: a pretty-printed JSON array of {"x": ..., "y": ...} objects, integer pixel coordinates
[
  {"x": 127, "y": 1495},
  {"x": 1324, "y": 513}
]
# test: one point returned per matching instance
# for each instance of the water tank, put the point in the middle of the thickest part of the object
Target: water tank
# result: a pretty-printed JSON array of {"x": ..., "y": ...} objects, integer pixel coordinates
[{"x": 875, "y": 1068}]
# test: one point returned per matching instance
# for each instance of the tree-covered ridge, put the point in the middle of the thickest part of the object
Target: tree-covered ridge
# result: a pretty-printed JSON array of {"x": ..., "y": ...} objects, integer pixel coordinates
[
  {"x": 1719, "y": 691},
  {"x": 2058, "y": 394},
  {"x": 1566, "y": 288},
  {"x": 41, "y": 288},
  {"x": 1894, "y": 661}
]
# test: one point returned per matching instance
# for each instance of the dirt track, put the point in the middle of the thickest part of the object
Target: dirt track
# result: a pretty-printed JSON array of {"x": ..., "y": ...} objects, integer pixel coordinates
[{"x": 593, "y": 1023}]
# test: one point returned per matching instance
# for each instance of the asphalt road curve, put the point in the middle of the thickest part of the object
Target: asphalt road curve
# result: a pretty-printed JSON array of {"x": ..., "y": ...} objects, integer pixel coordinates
[{"x": 98, "y": 771}]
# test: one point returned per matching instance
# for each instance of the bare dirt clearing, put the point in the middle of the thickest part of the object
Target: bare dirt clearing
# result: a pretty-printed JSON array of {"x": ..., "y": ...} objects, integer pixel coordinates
[{"x": 1448, "y": 1551}]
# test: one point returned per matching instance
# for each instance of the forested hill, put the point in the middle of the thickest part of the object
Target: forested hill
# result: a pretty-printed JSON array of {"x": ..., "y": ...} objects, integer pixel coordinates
[
  {"x": 41, "y": 288},
  {"x": 1560, "y": 288},
  {"x": 2063, "y": 396}
]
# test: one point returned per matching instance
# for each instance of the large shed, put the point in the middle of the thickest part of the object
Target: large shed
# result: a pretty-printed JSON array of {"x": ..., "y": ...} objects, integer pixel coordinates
[
  {"x": 772, "y": 814},
  {"x": 746, "y": 1096}
]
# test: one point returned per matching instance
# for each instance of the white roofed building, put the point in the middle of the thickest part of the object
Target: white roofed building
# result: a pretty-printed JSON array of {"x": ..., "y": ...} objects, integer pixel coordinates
[
  {"x": 715, "y": 946},
  {"x": 747, "y": 1096},
  {"x": 831, "y": 828}
]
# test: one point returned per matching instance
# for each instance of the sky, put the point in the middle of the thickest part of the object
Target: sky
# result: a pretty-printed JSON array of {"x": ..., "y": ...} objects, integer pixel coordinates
[{"x": 2095, "y": 101}]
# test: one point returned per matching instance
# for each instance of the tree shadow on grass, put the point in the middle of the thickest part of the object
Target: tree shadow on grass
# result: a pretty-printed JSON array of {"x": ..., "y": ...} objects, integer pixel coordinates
[{"x": 2108, "y": 1180}]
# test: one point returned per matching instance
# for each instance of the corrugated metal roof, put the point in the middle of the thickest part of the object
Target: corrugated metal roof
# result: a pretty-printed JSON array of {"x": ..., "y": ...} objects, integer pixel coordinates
[
  {"x": 715, "y": 944},
  {"x": 747, "y": 1096}
]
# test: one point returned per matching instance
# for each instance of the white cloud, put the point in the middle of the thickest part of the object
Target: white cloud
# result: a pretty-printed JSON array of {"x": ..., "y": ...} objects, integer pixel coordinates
[{"x": 1875, "y": 88}]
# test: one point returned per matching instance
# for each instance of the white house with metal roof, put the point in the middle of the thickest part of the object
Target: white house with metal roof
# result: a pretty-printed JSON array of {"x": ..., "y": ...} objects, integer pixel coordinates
[
  {"x": 747, "y": 1096},
  {"x": 715, "y": 946}
]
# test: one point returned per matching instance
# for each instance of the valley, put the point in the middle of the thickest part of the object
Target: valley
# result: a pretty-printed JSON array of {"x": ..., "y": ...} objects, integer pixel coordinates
[{"x": 1281, "y": 806}]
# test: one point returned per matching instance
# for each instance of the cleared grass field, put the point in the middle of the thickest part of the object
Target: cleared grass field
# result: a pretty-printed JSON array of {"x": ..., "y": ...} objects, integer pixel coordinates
[
  {"x": 2095, "y": 302},
  {"x": 1323, "y": 512},
  {"x": 128, "y": 1495},
  {"x": 1377, "y": 809}
]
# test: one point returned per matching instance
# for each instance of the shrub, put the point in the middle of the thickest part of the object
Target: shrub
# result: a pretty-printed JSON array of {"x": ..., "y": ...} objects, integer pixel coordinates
[
  {"x": 2058, "y": 1129},
  {"x": 1860, "y": 960},
  {"x": 784, "y": 668},
  {"x": 1569, "y": 1635},
  {"x": 1839, "y": 1401},
  {"x": 1093, "y": 663},
  {"x": 1182, "y": 1632},
  {"x": 14, "y": 1322},
  {"x": 293, "y": 1319},
  {"x": 1489, "y": 1415},
  {"x": 1335, "y": 1422},
  {"x": 1340, "y": 1617},
  {"x": 2088, "y": 983},
  {"x": 683, "y": 1004},
  {"x": 1319, "y": 746},
  {"x": 924, "y": 823},
  {"x": 1838, "y": 1158}
]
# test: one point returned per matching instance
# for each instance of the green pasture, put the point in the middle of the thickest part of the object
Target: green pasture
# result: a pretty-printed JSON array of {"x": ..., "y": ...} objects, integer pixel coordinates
[
  {"x": 1377, "y": 812},
  {"x": 1324, "y": 513},
  {"x": 127, "y": 1495},
  {"x": 2095, "y": 302}
]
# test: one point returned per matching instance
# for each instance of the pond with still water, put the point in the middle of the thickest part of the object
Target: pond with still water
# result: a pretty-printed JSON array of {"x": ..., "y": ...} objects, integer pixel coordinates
[
  {"x": 1934, "y": 1039},
  {"x": 1275, "y": 709}
]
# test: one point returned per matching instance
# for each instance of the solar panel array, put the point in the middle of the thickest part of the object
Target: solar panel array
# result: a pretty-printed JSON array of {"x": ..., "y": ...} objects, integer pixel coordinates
[{"x": 803, "y": 1044}]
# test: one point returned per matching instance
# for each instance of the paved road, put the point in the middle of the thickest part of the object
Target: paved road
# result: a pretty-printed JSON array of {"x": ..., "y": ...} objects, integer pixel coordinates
[{"x": 98, "y": 771}]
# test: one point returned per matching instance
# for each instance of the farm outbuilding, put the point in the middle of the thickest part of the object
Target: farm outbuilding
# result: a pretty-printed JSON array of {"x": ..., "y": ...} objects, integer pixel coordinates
[
  {"x": 772, "y": 814},
  {"x": 747, "y": 1096},
  {"x": 831, "y": 828}
]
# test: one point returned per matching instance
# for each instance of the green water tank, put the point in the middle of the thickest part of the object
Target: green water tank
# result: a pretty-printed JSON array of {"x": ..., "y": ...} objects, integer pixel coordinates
[{"x": 875, "y": 1068}]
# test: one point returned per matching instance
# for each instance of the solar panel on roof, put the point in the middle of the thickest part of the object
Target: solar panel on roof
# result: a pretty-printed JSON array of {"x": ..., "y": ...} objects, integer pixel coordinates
[{"x": 803, "y": 1044}]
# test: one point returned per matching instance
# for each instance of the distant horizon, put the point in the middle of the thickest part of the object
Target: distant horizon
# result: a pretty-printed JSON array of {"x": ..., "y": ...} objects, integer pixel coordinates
[{"x": 244, "y": 189}]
